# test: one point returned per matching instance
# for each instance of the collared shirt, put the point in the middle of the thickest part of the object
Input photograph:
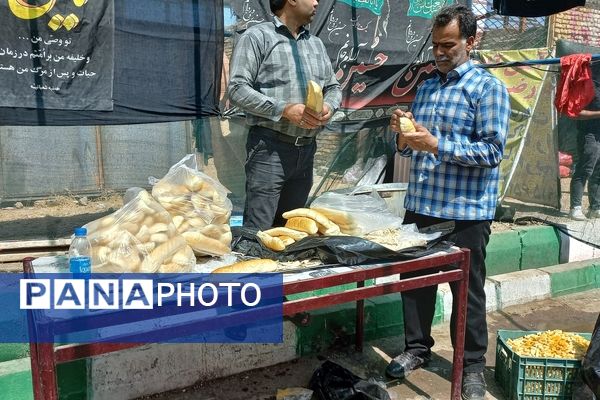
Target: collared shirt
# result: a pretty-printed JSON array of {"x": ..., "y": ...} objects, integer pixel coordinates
[
  {"x": 271, "y": 68},
  {"x": 469, "y": 114}
]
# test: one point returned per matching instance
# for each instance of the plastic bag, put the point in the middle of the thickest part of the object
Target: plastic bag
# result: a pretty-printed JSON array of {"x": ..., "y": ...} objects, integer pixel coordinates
[
  {"x": 375, "y": 172},
  {"x": 356, "y": 214},
  {"x": 333, "y": 382},
  {"x": 369, "y": 173},
  {"x": 199, "y": 207},
  {"x": 139, "y": 237},
  {"x": 565, "y": 159},
  {"x": 345, "y": 250},
  {"x": 564, "y": 171}
]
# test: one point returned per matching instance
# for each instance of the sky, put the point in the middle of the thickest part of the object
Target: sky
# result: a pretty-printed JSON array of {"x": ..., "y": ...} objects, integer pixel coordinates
[{"x": 229, "y": 18}]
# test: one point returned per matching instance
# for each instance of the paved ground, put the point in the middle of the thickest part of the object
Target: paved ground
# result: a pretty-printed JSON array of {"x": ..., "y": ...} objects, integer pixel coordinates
[{"x": 575, "y": 313}]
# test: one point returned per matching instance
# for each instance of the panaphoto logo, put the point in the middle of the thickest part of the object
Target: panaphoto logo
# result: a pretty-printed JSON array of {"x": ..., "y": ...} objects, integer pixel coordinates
[{"x": 136, "y": 294}]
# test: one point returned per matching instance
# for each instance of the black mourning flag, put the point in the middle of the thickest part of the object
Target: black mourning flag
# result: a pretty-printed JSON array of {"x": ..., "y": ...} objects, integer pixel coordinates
[{"x": 98, "y": 62}]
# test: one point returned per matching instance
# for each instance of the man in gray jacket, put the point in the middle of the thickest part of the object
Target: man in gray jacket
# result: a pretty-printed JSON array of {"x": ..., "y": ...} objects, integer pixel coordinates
[{"x": 271, "y": 66}]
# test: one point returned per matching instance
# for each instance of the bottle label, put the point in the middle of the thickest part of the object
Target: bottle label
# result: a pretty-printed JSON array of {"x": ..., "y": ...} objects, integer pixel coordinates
[{"x": 81, "y": 265}]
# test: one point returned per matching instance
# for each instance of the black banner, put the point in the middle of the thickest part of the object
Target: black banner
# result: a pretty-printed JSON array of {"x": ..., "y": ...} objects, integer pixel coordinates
[
  {"x": 167, "y": 57},
  {"x": 534, "y": 8},
  {"x": 57, "y": 55},
  {"x": 380, "y": 50}
]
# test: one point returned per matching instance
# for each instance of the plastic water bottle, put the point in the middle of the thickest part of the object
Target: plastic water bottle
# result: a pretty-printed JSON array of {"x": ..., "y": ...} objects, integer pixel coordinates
[{"x": 80, "y": 253}]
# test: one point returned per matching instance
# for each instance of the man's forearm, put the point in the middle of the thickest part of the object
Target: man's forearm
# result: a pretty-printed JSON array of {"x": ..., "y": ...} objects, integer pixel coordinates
[
  {"x": 333, "y": 97},
  {"x": 255, "y": 103},
  {"x": 587, "y": 114}
]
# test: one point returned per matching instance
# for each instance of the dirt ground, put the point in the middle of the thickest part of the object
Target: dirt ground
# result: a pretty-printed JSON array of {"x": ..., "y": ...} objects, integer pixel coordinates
[
  {"x": 55, "y": 217},
  {"x": 571, "y": 313}
]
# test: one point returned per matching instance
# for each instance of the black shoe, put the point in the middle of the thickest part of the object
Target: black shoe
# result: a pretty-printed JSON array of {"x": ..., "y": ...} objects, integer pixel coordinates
[
  {"x": 404, "y": 364},
  {"x": 473, "y": 386}
]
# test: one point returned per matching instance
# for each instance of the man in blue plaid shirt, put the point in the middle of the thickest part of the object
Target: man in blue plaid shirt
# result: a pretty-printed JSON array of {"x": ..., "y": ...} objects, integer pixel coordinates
[{"x": 461, "y": 123}]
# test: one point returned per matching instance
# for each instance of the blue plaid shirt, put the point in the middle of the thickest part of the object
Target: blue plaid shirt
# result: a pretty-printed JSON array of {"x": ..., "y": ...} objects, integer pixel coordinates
[{"x": 468, "y": 113}]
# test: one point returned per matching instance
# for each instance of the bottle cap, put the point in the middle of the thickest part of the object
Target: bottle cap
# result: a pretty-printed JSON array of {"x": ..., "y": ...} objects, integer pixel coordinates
[{"x": 80, "y": 232}]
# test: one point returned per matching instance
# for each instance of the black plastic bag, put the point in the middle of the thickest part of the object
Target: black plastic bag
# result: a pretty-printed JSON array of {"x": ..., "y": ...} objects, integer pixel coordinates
[
  {"x": 590, "y": 367},
  {"x": 345, "y": 250},
  {"x": 333, "y": 382}
]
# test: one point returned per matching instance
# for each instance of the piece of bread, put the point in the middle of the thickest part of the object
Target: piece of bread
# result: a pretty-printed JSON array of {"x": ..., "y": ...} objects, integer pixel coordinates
[
  {"x": 340, "y": 218},
  {"x": 286, "y": 240},
  {"x": 273, "y": 243},
  {"x": 250, "y": 266},
  {"x": 203, "y": 245},
  {"x": 282, "y": 231},
  {"x": 303, "y": 224},
  {"x": 406, "y": 125},
  {"x": 306, "y": 212},
  {"x": 184, "y": 256},
  {"x": 314, "y": 97},
  {"x": 343, "y": 219},
  {"x": 163, "y": 252},
  {"x": 324, "y": 224}
]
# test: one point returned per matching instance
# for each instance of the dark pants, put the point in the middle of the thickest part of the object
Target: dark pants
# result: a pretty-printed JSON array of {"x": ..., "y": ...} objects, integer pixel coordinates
[
  {"x": 419, "y": 304},
  {"x": 587, "y": 168},
  {"x": 278, "y": 178}
]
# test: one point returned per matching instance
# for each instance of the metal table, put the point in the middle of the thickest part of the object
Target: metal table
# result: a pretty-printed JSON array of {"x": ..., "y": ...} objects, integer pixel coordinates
[{"x": 45, "y": 356}]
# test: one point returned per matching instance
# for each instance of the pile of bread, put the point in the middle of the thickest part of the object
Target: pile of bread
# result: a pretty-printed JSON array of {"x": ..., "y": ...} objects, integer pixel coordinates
[
  {"x": 200, "y": 209},
  {"x": 187, "y": 215},
  {"x": 139, "y": 237},
  {"x": 304, "y": 222}
]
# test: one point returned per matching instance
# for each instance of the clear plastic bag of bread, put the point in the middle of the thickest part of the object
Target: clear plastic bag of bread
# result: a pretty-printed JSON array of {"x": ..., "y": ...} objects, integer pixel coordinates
[
  {"x": 199, "y": 207},
  {"x": 139, "y": 237},
  {"x": 356, "y": 215}
]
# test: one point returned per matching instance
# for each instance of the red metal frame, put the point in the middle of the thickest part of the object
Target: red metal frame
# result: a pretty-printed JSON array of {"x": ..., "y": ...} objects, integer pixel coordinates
[{"x": 45, "y": 357}]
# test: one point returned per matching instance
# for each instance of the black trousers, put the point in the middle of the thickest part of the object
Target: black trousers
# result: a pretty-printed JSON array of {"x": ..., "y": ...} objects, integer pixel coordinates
[
  {"x": 587, "y": 170},
  {"x": 419, "y": 304},
  {"x": 279, "y": 176}
]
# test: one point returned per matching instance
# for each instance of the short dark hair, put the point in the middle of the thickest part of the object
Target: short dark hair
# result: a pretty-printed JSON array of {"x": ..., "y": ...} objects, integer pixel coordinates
[
  {"x": 467, "y": 22},
  {"x": 276, "y": 5}
]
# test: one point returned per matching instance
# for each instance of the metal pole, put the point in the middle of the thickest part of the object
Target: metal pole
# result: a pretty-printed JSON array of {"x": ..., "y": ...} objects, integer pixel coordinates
[{"x": 546, "y": 61}]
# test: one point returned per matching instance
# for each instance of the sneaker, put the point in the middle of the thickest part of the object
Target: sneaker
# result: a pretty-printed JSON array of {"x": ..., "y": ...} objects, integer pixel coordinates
[
  {"x": 594, "y": 214},
  {"x": 576, "y": 214},
  {"x": 404, "y": 364},
  {"x": 473, "y": 386}
]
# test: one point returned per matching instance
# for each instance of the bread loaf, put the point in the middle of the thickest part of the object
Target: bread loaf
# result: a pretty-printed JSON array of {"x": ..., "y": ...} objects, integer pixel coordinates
[
  {"x": 406, "y": 125},
  {"x": 286, "y": 240},
  {"x": 324, "y": 224},
  {"x": 303, "y": 224},
  {"x": 251, "y": 266},
  {"x": 205, "y": 245},
  {"x": 282, "y": 231},
  {"x": 273, "y": 243},
  {"x": 341, "y": 218},
  {"x": 314, "y": 97},
  {"x": 162, "y": 253}
]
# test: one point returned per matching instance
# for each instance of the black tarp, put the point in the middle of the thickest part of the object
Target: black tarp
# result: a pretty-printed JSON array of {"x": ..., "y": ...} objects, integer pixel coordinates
[
  {"x": 379, "y": 49},
  {"x": 534, "y": 8},
  {"x": 164, "y": 64}
]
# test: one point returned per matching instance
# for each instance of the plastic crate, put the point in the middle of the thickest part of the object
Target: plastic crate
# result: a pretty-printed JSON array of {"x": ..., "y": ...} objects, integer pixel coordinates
[{"x": 533, "y": 378}]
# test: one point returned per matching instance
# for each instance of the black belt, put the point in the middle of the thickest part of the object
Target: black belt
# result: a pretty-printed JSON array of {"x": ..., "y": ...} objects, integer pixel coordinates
[{"x": 295, "y": 140}]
